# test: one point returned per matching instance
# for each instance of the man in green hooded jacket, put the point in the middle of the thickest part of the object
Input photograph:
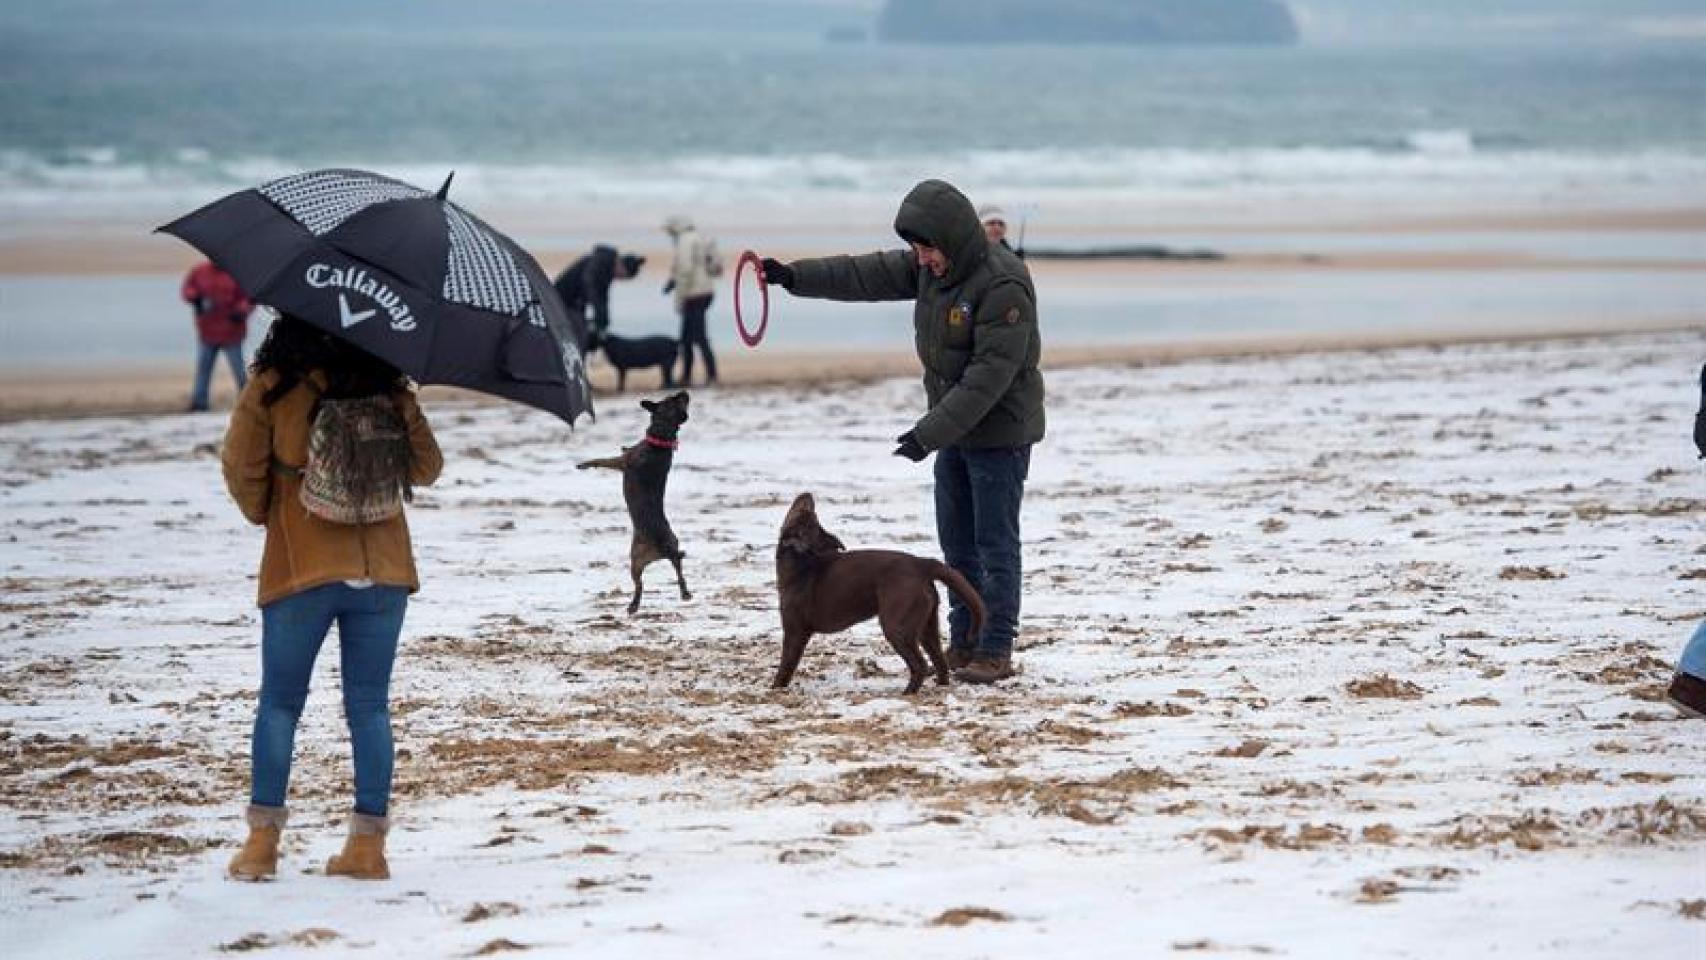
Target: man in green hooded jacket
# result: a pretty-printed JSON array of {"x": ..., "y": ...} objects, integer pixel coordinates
[{"x": 975, "y": 325}]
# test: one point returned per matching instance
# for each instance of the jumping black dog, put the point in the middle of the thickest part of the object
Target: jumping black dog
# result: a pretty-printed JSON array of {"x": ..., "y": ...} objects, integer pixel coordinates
[
  {"x": 629, "y": 353},
  {"x": 645, "y": 471}
]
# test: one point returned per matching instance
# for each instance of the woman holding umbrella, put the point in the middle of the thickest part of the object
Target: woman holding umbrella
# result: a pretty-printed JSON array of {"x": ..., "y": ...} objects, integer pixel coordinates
[
  {"x": 314, "y": 572},
  {"x": 376, "y": 278}
]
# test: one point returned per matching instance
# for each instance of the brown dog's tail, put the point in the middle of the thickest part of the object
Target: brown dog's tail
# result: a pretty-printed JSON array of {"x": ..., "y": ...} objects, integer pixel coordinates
[{"x": 957, "y": 582}]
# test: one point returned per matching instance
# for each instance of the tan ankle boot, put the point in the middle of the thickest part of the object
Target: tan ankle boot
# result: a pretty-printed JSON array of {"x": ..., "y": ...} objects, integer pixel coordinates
[
  {"x": 363, "y": 856},
  {"x": 258, "y": 860}
]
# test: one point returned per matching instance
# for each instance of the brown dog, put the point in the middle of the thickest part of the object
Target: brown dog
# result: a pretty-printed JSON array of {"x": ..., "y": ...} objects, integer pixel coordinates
[
  {"x": 826, "y": 588},
  {"x": 645, "y": 471}
]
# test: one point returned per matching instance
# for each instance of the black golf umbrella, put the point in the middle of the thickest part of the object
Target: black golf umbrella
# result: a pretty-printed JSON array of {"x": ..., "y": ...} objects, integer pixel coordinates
[{"x": 404, "y": 274}]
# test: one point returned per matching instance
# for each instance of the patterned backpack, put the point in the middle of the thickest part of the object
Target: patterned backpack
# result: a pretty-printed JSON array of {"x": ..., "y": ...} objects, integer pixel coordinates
[{"x": 358, "y": 461}]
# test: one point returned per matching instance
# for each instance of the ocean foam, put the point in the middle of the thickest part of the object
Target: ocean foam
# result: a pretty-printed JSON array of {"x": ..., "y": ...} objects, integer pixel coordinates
[{"x": 1435, "y": 163}]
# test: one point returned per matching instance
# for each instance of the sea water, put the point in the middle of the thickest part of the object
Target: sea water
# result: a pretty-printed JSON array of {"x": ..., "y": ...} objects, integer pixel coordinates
[
  {"x": 100, "y": 111},
  {"x": 126, "y": 117}
]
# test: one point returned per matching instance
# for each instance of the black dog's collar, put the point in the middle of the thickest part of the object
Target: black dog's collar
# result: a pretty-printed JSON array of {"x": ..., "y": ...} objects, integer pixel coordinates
[{"x": 652, "y": 441}]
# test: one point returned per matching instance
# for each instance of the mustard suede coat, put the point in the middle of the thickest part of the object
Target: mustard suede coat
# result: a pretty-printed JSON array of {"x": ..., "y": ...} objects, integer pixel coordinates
[{"x": 303, "y": 551}]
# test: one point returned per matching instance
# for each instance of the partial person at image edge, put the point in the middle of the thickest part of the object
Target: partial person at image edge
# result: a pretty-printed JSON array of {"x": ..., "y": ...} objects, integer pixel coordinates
[{"x": 1687, "y": 691}]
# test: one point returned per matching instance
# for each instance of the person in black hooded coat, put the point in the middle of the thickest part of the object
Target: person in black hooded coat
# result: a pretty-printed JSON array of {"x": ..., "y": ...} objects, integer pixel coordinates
[{"x": 585, "y": 285}]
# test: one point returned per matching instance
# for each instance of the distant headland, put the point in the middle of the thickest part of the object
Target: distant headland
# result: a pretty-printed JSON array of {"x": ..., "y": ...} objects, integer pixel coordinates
[{"x": 1159, "y": 22}]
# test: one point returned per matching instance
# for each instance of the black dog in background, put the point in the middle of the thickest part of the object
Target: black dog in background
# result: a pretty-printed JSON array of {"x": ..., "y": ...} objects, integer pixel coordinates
[
  {"x": 628, "y": 353},
  {"x": 645, "y": 471}
]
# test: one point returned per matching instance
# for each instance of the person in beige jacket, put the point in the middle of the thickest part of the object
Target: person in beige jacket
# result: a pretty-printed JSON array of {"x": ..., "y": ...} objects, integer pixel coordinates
[
  {"x": 314, "y": 573},
  {"x": 693, "y": 279}
]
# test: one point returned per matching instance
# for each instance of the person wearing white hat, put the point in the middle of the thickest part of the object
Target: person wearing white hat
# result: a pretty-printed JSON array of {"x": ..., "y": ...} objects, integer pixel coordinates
[
  {"x": 995, "y": 226},
  {"x": 693, "y": 280}
]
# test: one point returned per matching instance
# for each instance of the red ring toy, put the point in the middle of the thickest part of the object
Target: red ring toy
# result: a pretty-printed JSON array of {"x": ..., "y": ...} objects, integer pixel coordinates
[{"x": 752, "y": 338}]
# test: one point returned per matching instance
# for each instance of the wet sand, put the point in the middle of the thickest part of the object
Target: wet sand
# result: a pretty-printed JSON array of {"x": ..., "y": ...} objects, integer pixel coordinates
[
  {"x": 124, "y": 246},
  {"x": 161, "y": 390},
  {"x": 128, "y": 245}
]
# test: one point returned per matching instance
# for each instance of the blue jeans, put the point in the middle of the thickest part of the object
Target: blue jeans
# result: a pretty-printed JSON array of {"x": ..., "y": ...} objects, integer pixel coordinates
[
  {"x": 204, "y": 370},
  {"x": 978, "y": 493},
  {"x": 369, "y": 622},
  {"x": 1693, "y": 660}
]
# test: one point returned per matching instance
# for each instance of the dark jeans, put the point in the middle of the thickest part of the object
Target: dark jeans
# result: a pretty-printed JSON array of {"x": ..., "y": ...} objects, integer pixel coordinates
[
  {"x": 292, "y": 629},
  {"x": 204, "y": 370},
  {"x": 978, "y": 493},
  {"x": 693, "y": 311}
]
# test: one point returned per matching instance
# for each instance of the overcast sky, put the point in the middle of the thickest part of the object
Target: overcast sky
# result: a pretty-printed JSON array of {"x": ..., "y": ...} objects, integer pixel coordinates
[{"x": 1470, "y": 21}]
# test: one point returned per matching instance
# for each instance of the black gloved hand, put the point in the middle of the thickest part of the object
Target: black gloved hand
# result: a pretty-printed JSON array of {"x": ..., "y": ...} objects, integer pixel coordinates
[
  {"x": 1700, "y": 433},
  {"x": 777, "y": 272},
  {"x": 668, "y": 287},
  {"x": 910, "y": 448},
  {"x": 203, "y": 304}
]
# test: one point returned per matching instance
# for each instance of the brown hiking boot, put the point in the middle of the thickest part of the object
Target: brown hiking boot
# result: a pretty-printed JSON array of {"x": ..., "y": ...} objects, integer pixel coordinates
[
  {"x": 986, "y": 670},
  {"x": 363, "y": 856},
  {"x": 1687, "y": 693},
  {"x": 258, "y": 860},
  {"x": 959, "y": 659}
]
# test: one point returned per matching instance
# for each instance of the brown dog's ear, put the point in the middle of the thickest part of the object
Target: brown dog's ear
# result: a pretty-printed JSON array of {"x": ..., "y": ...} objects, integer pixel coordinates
[
  {"x": 803, "y": 506},
  {"x": 836, "y": 541}
]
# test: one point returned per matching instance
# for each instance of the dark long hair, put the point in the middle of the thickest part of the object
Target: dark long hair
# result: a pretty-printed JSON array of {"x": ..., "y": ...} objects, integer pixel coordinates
[{"x": 294, "y": 348}]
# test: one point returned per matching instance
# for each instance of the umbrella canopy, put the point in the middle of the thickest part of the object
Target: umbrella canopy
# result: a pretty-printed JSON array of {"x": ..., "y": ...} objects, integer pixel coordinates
[{"x": 405, "y": 275}]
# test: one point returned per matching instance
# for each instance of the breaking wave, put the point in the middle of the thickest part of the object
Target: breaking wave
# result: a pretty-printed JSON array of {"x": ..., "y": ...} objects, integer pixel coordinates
[{"x": 98, "y": 178}]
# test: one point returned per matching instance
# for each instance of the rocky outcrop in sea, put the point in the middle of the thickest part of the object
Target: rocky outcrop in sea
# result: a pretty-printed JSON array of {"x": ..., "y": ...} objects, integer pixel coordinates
[{"x": 1161, "y": 22}]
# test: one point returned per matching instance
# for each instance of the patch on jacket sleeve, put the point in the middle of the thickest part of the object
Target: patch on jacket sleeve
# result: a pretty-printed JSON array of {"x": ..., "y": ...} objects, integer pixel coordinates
[{"x": 1012, "y": 315}]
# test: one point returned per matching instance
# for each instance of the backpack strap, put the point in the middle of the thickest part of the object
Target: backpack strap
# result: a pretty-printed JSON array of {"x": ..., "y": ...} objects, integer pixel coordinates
[{"x": 279, "y": 466}]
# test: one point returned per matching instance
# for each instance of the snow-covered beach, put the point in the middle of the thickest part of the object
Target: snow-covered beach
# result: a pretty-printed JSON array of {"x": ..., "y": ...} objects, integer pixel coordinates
[{"x": 1354, "y": 653}]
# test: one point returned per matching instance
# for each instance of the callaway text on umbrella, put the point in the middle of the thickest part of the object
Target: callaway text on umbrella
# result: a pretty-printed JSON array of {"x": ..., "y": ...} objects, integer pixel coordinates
[{"x": 404, "y": 274}]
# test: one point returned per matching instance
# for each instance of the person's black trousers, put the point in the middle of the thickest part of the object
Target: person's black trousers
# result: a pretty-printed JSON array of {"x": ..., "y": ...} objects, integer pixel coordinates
[{"x": 693, "y": 311}]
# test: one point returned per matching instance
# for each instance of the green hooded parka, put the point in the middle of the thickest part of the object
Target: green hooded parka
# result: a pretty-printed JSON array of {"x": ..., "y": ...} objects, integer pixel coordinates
[{"x": 975, "y": 328}]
